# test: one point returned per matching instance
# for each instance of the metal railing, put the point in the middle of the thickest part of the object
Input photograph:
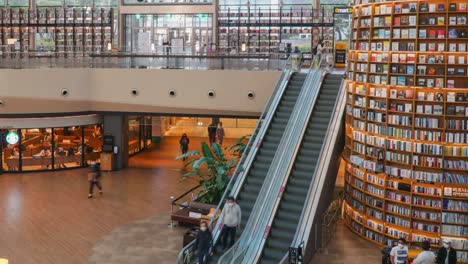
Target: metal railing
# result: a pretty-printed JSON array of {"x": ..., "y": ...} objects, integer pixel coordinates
[
  {"x": 187, "y": 254},
  {"x": 185, "y": 61},
  {"x": 312, "y": 201},
  {"x": 258, "y": 225},
  {"x": 329, "y": 220}
]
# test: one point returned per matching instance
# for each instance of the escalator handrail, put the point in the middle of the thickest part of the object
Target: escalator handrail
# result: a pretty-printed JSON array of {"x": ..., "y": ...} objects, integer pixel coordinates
[
  {"x": 307, "y": 217},
  {"x": 243, "y": 171},
  {"x": 273, "y": 101},
  {"x": 256, "y": 222},
  {"x": 315, "y": 83}
]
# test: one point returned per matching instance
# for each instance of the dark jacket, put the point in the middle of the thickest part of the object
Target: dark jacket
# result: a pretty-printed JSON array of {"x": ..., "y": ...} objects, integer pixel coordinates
[
  {"x": 203, "y": 241},
  {"x": 442, "y": 255},
  {"x": 211, "y": 129},
  {"x": 185, "y": 142},
  {"x": 96, "y": 169}
]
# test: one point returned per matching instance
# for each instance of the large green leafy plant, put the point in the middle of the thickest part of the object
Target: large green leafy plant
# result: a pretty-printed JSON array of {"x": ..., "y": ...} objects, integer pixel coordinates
[{"x": 212, "y": 168}]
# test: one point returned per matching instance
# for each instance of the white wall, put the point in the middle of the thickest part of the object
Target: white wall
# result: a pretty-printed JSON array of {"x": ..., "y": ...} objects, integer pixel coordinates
[{"x": 39, "y": 91}]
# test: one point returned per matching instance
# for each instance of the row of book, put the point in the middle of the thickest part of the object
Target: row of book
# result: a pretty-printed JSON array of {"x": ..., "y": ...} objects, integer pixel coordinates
[
  {"x": 410, "y": 58},
  {"x": 389, "y": 207},
  {"x": 421, "y": 238},
  {"x": 397, "y": 221},
  {"x": 425, "y": 148},
  {"x": 398, "y": 157},
  {"x": 359, "y": 148},
  {"x": 456, "y": 164},
  {"x": 426, "y": 215},
  {"x": 427, "y": 202},
  {"x": 396, "y": 232},
  {"x": 374, "y": 236},
  {"x": 375, "y": 190},
  {"x": 455, "y": 205},
  {"x": 375, "y": 141},
  {"x": 397, "y": 197},
  {"x": 456, "y": 151},
  {"x": 374, "y": 213},
  {"x": 426, "y": 122},
  {"x": 455, "y": 230},
  {"x": 426, "y": 227},
  {"x": 429, "y": 162},
  {"x": 427, "y": 190},
  {"x": 451, "y": 137},
  {"x": 429, "y": 135},
  {"x": 374, "y": 202},
  {"x": 456, "y": 124},
  {"x": 454, "y": 218},
  {"x": 457, "y": 110},
  {"x": 374, "y": 225}
]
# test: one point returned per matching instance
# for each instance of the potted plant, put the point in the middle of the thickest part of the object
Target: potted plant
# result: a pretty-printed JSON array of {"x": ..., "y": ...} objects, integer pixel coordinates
[{"x": 212, "y": 168}]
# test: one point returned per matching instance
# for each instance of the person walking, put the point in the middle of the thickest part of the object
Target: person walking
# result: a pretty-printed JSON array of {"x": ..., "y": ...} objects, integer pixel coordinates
[
  {"x": 318, "y": 50},
  {"x": 231, "y": 216},
  {"x": 297, "y": 59},
  {"x": 220, "y": 133},
  {"x": 184, "y": 143},
  {"x": 203, "y": 243},
  {"x": 426, "y": 256},
  {"x": 93, "y": 178},
  {"x": 212, "y": 133},
  {"x": 399, "y": 253},
  {"x": 446, "y": 254}
]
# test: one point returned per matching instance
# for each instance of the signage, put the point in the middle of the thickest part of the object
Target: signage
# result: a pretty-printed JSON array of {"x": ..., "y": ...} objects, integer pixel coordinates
[
  {"x": 195, "y": 215},
  {"x": 343, "y": 10},
  {"x": 456, "y": 191},
  {"x": 12, "y": 138}
]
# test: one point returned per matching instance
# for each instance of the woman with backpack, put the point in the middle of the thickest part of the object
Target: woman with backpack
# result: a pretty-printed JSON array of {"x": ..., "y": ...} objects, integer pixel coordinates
[{"x": 184, "y": 142}]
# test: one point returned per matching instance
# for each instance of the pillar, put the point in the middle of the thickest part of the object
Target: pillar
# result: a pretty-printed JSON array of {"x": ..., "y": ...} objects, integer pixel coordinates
[
  {"x": 117, "y": 126},
  {"x": 157, "y": 129}
]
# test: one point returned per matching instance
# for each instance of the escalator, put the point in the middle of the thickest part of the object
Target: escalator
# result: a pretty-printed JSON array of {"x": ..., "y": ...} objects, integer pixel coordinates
[
  {"x": 257, "y": 173},
  {"x": 288, "y": 214},
  {"x": 253, "y": 181}
]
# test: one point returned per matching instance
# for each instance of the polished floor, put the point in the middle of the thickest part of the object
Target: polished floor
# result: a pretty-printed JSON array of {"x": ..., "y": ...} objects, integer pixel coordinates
[
  {"x": 346, "y": 248},
  {"x": 46, "y": 217}
]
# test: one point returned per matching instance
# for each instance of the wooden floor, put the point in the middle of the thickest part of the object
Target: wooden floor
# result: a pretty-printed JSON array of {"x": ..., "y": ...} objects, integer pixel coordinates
[{"x": 47, "y": 218}]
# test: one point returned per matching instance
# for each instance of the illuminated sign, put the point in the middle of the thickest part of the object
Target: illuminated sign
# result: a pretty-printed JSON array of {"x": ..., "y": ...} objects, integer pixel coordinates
[
  {"x": 343, "y": 10},
  {"x": 456, "y": 191},
  {"x": 12, "y": 138}
]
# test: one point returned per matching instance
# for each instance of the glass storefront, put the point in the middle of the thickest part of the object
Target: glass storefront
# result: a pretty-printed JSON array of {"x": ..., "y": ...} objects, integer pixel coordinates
[
  {"x": 168, "y": 33},
  {"x": 266, "y": 26},
  {"x": 139, "y": 134},
  {"x": 38, "y": 149}
]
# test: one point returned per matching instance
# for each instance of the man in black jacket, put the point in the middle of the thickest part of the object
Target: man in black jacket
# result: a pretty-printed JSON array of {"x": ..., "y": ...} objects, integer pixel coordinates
[
  {"x": 203, "y": 243},
  {"x": 212, "y": 133},
  {"x": 446, "y": 254}
]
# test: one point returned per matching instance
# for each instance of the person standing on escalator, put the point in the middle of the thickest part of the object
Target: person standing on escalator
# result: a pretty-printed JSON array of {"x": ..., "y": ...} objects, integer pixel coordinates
[
  {"x": 231, "y": 216},
  {"x": 203, "y": 243}
]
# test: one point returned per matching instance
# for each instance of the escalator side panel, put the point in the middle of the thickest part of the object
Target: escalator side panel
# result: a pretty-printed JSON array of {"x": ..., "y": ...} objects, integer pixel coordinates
[
  {"x": 285, "y": 224},
  {"x": 326, "y": 197}
]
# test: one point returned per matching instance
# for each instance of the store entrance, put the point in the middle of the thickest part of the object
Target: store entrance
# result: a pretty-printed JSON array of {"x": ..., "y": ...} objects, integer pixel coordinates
[{"x": 156, "y": 140}]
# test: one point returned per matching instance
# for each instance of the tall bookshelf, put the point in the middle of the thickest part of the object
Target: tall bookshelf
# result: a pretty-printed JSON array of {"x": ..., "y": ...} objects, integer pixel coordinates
[
  {"x": 407, "y": 123},
  {"x": 74, "y": 30},
  {"x": 262, "y": 29}
]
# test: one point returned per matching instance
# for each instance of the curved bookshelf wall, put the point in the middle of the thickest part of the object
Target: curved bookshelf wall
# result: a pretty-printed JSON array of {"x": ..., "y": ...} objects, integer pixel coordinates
[{"x": 407, "y": 123}]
